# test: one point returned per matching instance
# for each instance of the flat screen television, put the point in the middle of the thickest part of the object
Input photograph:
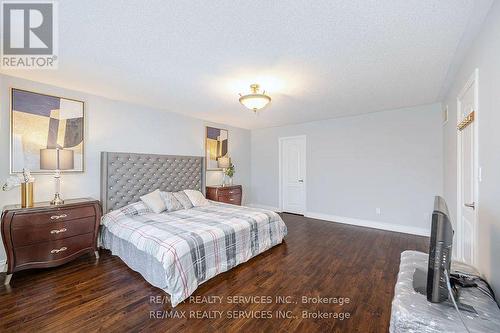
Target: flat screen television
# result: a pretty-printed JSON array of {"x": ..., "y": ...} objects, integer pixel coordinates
[{"x": 439, "y": 252}]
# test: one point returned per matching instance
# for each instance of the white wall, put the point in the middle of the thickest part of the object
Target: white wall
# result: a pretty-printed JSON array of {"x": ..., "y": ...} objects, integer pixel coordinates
[
  {"x": 484, "y": 55},
  {"x": 117, "y": 126},
  {"x": 390, "y": 160}
]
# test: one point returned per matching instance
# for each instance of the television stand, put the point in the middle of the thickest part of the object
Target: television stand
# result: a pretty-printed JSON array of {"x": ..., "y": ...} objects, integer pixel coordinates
[{"x": 411, "y": 312}]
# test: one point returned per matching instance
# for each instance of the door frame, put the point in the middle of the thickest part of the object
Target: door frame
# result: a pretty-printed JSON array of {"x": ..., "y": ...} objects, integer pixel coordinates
[
  {"x": 280, "y": 169},
  {"x": 472, "y": 81}
]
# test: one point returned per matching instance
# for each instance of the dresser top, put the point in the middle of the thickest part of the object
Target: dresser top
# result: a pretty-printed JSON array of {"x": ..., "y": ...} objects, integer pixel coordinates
[
  {"x": 224, "y": 186},
  {"x": 47, "y": 205}
]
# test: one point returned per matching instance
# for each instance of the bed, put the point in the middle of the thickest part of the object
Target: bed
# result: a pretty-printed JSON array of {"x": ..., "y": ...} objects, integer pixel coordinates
[{"x": 180, "y": 250}]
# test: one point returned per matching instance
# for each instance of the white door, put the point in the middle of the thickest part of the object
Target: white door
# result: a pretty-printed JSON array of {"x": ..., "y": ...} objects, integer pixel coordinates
[
  {"x": 293, "y": 174},
  {"x": 467, "y": 172}
]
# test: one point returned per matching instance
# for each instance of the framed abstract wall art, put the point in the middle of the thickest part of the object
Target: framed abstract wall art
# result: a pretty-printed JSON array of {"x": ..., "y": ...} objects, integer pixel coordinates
[
  {"x": 40, "y": 121},
  {"x": 216, "y": 146}
]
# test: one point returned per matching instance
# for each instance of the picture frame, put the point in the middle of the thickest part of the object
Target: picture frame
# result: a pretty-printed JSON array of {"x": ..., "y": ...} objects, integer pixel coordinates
[
  {"x": 216, "y": 146},
  {"x": 39, "y": 121}
]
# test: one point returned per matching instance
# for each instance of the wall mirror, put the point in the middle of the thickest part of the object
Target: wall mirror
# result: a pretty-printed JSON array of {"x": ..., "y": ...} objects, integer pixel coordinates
[{"x": 216, "y": 146}]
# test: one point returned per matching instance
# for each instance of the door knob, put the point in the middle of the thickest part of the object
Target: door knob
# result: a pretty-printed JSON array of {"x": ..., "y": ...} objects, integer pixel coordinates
[
  {"x": 301, "y": 180},
  {"x": 470, "y": 205}
]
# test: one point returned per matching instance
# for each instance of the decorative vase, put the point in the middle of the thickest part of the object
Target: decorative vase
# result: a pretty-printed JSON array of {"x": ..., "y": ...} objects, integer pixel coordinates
[
  {"x": 229, "y": 181},
  {"x": 26, "y": 195}
]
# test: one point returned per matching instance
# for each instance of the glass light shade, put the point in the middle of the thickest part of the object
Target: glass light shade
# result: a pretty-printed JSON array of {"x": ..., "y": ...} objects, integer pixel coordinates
[
  {"x": 56, "y": 159},
  {"x": 255, "y": 101}
]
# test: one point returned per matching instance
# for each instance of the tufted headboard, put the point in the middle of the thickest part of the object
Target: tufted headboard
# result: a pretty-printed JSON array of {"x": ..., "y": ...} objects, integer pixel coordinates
[{"x": 125, "y": 177}]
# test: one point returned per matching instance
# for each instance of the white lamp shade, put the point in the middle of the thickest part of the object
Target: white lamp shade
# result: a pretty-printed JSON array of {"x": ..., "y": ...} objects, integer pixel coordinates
[
  {"x": 56, "y": 159},
  {"x": 224, "y": 162},
  {"x": 255, "y": 101}
]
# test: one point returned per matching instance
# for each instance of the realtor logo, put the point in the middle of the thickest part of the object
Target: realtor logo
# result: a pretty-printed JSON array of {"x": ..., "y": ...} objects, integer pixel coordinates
[{"x": 29, "y": 34}]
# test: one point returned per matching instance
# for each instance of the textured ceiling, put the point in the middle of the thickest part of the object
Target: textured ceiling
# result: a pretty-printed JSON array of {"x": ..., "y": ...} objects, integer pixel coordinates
[{"x": 317, "y": 59}]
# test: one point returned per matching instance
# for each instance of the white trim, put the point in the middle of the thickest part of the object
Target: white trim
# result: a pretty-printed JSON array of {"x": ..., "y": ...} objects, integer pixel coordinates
[
  {"x": 473, "y": 80},
  {"x": 3, "y": 264},
  {"x": 446, "y": 115},
  {"x": 280, "y": 180},
  {"x": 370, "y": 224},
  {"x": 274, "y": 209}
]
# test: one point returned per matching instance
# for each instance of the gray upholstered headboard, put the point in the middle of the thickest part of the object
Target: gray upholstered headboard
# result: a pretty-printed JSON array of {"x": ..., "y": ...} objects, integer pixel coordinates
[{"x": 125, "y": 177}]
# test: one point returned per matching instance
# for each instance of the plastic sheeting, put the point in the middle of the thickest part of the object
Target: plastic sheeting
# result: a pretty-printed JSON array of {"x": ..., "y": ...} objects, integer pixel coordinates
[{"x": 411, "y": 312}]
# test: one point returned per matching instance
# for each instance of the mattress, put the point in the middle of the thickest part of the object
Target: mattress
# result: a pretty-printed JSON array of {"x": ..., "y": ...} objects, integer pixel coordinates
[{"x": 180, "y": 250}]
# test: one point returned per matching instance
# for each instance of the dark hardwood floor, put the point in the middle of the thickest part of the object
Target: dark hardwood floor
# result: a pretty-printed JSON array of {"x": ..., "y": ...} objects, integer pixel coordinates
[{"x": 318, "y": 259}]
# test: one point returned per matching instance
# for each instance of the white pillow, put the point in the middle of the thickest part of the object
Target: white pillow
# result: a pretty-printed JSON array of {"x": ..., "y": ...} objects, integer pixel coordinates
[
  {"x": 154, "y": 201},
  {"x": 197, "y": 198},
  {"x": 171, "y": 202},
  {"x": 183, "y": 199}
]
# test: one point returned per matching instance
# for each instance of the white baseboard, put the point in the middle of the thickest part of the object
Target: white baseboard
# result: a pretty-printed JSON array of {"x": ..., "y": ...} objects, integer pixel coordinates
[
  {"x": 274, "y": 209},
  {"x": 370, "y": 224},
  {"x": 3, "y": 266}
]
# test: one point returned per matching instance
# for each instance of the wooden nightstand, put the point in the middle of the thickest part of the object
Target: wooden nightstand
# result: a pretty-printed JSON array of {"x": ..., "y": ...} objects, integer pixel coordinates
[
  {"x": 228, "y": 194},
  {"x": 47, "y": 236}
]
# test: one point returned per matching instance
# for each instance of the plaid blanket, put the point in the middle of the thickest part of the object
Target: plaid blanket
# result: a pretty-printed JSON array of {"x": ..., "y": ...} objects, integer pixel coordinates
[{"x": 194, "y": 245}]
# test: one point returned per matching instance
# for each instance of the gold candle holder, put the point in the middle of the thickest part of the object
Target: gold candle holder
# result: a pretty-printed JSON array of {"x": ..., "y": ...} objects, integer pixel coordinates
[{"x": 26, "y": 195}]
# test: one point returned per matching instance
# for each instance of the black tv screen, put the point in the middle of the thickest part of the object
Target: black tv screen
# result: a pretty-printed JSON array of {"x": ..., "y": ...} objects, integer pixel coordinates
[{"x": 439, "y": 252}]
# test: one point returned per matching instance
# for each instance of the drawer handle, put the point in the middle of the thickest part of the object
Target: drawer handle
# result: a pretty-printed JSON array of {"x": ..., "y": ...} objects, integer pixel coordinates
[
  {"x": 59, "y": 250},
  {"x": 57, "y": 217},
  {"x": 58, "y": 231},
  {"x": 231, "y": 199}
]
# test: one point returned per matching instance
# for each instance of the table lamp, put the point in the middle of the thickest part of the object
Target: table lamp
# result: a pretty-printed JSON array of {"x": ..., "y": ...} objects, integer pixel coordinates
[
  {"x": 56, "y": 159},
  {"x": 224, "y": 162}
]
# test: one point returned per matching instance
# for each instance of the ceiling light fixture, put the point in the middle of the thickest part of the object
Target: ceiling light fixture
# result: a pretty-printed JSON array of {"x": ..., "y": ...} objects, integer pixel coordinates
[{"x": 255, "y": 100}]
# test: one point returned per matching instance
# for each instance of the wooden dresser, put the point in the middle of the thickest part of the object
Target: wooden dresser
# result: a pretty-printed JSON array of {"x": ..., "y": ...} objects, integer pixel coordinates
[
  {"x": 228, "y": 194},
  {"x": 47, "y": 236}
]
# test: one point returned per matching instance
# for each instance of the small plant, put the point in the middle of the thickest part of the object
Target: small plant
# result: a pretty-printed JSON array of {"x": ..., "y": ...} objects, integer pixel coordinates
[{"x": 230, "y": 171}]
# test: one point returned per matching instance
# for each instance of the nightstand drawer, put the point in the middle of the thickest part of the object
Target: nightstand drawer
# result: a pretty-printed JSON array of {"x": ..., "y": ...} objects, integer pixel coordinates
[
  {"x": 52, "y": 251},
  {"x": 231, "y": 199},
  {"x": 52, "y": 231},
  {"x": 230, "y": 191},
  {"x": 23, "y": 220}
]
